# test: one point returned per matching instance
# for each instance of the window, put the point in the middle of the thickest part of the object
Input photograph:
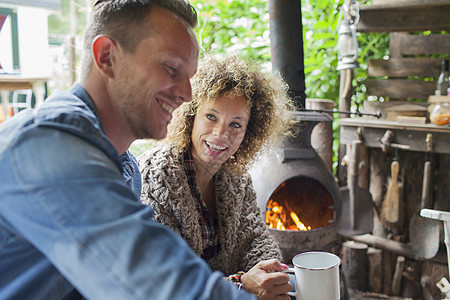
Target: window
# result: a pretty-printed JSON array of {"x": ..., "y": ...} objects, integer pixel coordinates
[{"x": 9, "y": 51}]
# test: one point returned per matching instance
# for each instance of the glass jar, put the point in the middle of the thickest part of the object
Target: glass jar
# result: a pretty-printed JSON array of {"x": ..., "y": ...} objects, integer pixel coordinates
[{"x": 440, "y": 115}]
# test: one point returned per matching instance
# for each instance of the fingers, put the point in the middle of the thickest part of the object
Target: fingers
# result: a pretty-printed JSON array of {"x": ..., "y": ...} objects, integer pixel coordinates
[
  {"x": 275, "y": 284},
  {"x": 282, "y": 288},
  {"x": 277, "y": 278},
  {"x": 268, "y": 273},
  {"x": 275, "y": 297},
  {"x": 275, "y": 292},
  {"x": 267, "y": 281},
  {"x": 272, "y": 265}
]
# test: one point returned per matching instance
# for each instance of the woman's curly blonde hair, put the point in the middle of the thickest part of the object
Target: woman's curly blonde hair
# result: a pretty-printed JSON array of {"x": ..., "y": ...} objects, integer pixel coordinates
[{"x": 267, "y": 97}]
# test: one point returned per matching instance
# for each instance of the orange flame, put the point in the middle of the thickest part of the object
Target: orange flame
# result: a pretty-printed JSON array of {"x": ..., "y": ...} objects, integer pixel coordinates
[{"x": 283, "y": 219}]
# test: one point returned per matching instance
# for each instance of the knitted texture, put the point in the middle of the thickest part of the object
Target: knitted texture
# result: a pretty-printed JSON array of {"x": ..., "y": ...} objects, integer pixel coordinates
[{"x": 243, "y": 235}]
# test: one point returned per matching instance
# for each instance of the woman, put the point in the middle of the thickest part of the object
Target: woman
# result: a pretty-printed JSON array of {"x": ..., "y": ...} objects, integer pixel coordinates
[{"x": 197, "y": 180}]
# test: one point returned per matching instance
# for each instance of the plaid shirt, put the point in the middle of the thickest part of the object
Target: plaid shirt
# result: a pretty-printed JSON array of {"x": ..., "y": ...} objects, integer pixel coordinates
[{"x": 211, "y": 245}]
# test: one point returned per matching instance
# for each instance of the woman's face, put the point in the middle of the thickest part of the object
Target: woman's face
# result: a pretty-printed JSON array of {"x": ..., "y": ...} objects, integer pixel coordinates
[{"x": 219, "y": 128}]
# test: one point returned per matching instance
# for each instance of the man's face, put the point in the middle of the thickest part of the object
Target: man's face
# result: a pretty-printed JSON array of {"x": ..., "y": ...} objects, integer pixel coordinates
[{"x": 152, "y": 82}]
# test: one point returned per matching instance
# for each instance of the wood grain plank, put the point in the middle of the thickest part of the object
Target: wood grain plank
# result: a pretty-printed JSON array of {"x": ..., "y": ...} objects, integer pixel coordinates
[
  {"x": 413, "y": 44},
  {"x": 400, "y": 89},
  {"x": 403, "y": 3},
  {"x": 405, "y": 67},
  {"x": 386, "y": 18}
]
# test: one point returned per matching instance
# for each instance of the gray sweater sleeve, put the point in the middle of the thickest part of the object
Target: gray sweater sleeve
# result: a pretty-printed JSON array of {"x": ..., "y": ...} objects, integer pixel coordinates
[{"x": 257, "y": 243}]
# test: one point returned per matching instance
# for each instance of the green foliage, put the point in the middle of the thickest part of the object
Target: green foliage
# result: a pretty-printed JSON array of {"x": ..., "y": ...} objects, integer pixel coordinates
[
  {"x": 371, "y": 46},
  {"x": 320, "y": 23},
  {"x": 236, "y": 26}
]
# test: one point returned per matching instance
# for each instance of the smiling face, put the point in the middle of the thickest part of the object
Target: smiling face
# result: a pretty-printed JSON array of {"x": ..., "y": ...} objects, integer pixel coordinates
[
  {"x": 154, "y": 80},
  {"x": 218, "y": 130}
]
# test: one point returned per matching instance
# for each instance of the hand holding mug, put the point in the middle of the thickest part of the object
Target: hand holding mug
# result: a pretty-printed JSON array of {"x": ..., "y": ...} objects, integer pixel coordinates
[
  {"x": 266, "y": 280},
  {"x": 316, "y": 276}
]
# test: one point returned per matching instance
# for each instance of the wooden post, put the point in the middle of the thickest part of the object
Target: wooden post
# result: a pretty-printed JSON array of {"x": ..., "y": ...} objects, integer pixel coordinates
[
  {"x": 412, "y": 163},
  {"x": 443, "y": 189},
  {"x": 388, "y": 270},
  {"x": 385, "y": 244},
  {"x": 322, "y": 134},
  {"x": 397, "y": 280},
  {"x": 376, "y": 188},
  {"x": 375, "y": 259},
  {"x": 354, "y": 265}
]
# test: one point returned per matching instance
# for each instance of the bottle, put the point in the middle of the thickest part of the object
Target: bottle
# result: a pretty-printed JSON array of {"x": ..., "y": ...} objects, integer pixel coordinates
[{"x": 442, "y": 82}]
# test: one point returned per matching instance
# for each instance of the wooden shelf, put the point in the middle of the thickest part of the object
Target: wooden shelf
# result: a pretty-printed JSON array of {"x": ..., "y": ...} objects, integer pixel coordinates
[
  {"x": 405, "y": 15},
  {"x": 411, "y": 135}
]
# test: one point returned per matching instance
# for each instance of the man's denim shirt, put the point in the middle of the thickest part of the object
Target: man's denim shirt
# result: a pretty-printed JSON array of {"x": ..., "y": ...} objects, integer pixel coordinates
[{"x": 70, "y": 216}]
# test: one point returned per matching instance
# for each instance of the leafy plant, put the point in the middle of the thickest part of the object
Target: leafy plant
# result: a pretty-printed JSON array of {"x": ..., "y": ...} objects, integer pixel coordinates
[{"x": 236, "y": 26}]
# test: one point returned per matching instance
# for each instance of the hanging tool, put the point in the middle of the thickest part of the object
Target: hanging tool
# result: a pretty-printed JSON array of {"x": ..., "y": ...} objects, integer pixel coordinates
[
  {"x": 357, "y": 207},
  {"x": 424, "y": 233},
  {"x": 391, "y": 204}
]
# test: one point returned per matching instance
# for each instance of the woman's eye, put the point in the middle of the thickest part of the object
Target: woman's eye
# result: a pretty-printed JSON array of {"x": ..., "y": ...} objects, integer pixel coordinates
[
  {"x": 210, "y": 117},
  {"x": 236, "y": 125}
]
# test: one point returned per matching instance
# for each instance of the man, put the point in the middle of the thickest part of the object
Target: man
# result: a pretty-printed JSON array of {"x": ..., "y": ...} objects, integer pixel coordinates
[{"x": 71, "y": 224}]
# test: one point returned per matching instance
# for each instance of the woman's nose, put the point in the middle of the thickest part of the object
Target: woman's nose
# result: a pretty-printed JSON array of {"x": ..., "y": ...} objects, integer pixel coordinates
[{"x": 220, "y": 130}]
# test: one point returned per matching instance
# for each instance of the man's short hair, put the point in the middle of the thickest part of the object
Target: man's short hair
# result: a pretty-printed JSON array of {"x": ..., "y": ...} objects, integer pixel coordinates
[{"x": 123, "y": 20}]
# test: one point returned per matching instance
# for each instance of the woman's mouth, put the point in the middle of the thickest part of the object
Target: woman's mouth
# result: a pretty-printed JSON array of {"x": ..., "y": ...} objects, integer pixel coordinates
[{"x": 215, "y": 147}]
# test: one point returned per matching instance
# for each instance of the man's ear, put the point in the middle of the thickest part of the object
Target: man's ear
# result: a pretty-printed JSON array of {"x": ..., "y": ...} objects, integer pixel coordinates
[{"x": 103, "y": 49}]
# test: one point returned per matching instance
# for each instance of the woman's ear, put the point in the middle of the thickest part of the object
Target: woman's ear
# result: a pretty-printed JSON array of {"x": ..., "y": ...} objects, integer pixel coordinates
[{"x": 102, "y": 52}]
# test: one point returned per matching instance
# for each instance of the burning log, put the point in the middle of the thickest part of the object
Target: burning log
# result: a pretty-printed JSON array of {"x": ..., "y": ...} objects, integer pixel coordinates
[{"x": 283, "y": 218}]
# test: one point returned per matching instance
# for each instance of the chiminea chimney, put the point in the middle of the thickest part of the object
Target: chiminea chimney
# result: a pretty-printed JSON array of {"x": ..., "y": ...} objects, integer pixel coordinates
[
  {"x": 286, "y": 39},
  {"x": 293, "y": 175}
]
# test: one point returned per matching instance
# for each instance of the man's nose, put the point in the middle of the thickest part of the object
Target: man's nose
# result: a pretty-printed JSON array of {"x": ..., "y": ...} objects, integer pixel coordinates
[{"x": 183, "y": 90}]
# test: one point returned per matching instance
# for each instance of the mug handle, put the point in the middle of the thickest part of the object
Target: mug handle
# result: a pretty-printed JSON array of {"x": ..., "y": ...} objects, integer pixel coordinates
[{"x": 291, "y": 271}]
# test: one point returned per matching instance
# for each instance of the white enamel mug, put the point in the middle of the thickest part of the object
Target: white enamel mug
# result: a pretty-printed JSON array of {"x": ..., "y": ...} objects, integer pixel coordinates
[{"x": 316, "y": 276}]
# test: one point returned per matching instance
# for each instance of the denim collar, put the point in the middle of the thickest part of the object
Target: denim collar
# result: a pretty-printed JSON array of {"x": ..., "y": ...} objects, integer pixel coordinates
[{"x": 84, "y": 122}]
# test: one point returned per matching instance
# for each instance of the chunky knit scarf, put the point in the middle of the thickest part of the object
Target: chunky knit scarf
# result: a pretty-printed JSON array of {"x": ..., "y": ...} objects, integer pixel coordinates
[{"x": 243, "y": 235}]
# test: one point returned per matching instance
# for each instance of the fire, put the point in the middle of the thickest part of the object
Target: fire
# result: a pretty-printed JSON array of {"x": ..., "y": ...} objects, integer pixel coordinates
[{"x": 283, "y": 218}]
